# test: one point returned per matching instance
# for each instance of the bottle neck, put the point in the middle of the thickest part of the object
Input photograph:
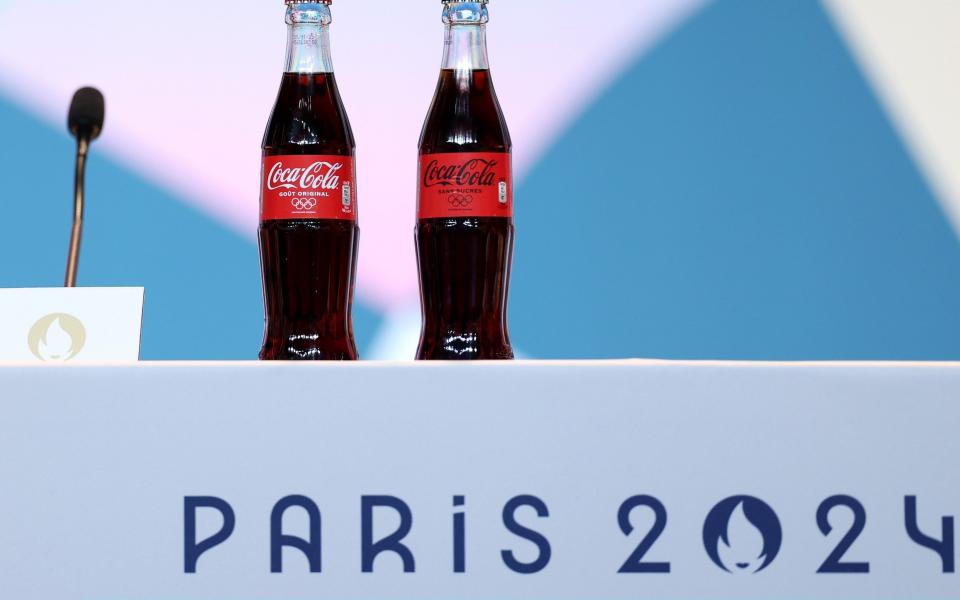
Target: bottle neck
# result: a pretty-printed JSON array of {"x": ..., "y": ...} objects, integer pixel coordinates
[
  {"x": 465, "y": 39},
  {"x": 308, "y": 38}
]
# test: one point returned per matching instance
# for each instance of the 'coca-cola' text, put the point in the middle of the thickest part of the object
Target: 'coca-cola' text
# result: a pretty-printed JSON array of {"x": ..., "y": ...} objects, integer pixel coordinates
[
  {"x": 319, "y": 175},
  {"x": 475, "y": 171}
]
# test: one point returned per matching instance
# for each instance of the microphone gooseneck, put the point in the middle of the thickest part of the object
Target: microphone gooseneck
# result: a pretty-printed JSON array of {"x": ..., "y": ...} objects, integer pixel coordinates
[{"x": 85, "y": 121}]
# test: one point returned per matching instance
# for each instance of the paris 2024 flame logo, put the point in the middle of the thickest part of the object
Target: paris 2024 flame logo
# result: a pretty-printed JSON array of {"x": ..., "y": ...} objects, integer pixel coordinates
[
  {"x": 742, "y": 535},
  {"x": 58, "y": 337}
]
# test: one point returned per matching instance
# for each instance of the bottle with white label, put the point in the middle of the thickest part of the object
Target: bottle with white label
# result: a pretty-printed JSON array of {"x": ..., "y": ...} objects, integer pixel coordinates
[
  {"x": 308, "y": 203},
  {"x": 465, "y": 231}
]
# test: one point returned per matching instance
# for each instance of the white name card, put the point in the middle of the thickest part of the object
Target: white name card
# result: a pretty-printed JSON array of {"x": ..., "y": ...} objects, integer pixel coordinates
[{"x": 57, "y": 325}]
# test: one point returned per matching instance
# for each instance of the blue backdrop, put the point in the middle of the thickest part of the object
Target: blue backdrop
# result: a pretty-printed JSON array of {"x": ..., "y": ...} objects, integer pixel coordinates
[{"x": 737, "y": 194}]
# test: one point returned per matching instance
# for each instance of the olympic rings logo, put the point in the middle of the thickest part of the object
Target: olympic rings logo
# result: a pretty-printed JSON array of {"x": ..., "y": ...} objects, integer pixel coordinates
[
  {"x": 304, "y": 203},
  {"x": 460, "y": 201}
]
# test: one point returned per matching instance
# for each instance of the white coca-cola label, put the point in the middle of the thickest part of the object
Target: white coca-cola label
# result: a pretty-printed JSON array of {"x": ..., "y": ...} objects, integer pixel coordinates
[{"x": 308, "y": 187}]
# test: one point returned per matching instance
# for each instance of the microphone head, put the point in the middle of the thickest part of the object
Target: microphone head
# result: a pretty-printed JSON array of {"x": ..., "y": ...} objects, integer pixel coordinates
[{"x": 86, "y": 113}]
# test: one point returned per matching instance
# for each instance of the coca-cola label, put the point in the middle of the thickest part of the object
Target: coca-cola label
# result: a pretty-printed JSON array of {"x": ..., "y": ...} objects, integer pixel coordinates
[
  {"x": 469, "y": 184},
  {"x": 308, "y": 187}
]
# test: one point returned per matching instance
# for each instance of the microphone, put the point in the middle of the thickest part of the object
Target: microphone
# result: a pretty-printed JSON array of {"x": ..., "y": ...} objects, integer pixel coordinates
[{"x": 85, "y": 121}]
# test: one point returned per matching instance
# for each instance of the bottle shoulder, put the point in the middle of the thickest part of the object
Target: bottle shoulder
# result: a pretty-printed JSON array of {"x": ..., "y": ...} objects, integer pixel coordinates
[
  {"x": 465, "y": 116},
  {"x": 309, "y": 118}
]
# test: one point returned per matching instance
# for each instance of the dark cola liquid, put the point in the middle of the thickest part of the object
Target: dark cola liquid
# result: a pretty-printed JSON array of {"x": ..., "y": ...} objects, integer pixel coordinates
[
  {"x": 465, "y": 262},
  {"x": 309, "y": 266}
]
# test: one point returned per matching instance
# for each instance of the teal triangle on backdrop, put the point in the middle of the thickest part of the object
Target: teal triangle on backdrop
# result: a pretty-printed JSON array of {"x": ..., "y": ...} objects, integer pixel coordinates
[
  {"x": 203, "y": 297},
  {"x": 739, "y": 193}
]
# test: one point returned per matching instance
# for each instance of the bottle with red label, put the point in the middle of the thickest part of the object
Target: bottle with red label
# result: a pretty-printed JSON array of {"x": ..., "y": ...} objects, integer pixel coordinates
[
  {"x": 308, "y": 203},
  {"x": 465, "y": 230}
]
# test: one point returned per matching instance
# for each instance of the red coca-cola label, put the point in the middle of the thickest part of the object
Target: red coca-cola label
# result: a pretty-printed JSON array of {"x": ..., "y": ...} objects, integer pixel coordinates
[
  {"x": 308, "y": 187},
  {"x": 469, "y": 184}
]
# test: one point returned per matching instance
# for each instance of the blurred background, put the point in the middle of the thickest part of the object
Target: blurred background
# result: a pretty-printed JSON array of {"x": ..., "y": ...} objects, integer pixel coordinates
[{"x": 726, "y": 179}]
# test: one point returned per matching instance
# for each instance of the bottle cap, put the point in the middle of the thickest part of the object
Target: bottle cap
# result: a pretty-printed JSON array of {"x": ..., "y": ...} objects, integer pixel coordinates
[{"x": 327, "y": 2}]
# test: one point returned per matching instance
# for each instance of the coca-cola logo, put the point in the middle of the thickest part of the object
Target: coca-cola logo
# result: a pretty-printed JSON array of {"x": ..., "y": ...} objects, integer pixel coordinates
[
  {"x": 473, "y": 172},
  {"x": 320, "y": 175}
]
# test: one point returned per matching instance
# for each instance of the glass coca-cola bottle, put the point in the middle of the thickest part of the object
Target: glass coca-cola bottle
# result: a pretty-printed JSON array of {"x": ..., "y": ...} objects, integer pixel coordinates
[
  {"x": 464, "y": 230},
  {"x": 308, "y": 205}
]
